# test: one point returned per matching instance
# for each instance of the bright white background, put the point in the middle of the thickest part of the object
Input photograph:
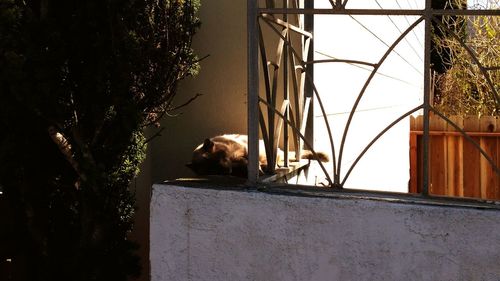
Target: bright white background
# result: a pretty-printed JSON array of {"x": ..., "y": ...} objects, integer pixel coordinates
[{"x": 396, "y": 89}]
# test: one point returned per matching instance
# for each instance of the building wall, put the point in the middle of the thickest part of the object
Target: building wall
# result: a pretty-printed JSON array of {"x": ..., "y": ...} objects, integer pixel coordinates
[
  {"x": 222, "y": 83},
  {"x": 210, "y": 234},
  {"x": 220, "y": 109}
]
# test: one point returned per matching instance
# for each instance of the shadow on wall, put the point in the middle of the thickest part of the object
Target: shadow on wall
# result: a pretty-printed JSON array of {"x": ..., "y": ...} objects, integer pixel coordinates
[
  {"x": 222, "y": 83},
  {"x": 221, "y": 108}
]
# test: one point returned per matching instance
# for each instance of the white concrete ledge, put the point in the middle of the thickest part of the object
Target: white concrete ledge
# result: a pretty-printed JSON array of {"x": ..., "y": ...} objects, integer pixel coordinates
[{"x": 224, "y": 234}]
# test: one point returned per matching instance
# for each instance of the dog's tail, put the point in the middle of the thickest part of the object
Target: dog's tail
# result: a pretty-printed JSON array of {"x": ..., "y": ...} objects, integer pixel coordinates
[{"x": 319, "y": 156}]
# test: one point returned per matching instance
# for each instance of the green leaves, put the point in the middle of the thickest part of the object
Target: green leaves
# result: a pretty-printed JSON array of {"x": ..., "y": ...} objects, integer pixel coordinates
[{"x": 97, "y": 72}]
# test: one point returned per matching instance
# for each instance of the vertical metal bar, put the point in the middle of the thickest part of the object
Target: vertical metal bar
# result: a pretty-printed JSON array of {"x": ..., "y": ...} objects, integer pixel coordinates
[
  {"x": 253, "y": 91},
  {"x": 427, "y": 89},
  {"x": 308, "y": 88},
  {"x": 285, "y": 90}
]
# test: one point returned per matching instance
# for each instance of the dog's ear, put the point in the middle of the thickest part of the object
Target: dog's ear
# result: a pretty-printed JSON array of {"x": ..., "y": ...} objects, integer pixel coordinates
[{"x": 208, "y": 145}]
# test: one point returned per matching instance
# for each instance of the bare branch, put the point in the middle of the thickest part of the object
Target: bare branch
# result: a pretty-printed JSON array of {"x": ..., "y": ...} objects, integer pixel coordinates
[
  {"x": 186, "y": 103},
  {"x": 157, "y": 134}
]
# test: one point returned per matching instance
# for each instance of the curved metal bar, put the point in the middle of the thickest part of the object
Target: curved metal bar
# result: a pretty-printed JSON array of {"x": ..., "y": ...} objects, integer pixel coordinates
[
  {"x": 301, "y": 136},
  {"x": 469, "y": 138},
  {"x": 333, "y": 3},
  {"x": 473, "y": 55},
  {"x": 368, "y": 81},
  {"x": 372, "y": 65},
  {"x": 293, "y": 54},
  {"x": 263, "y": 57},
  {"x": 264, "y": 132},
  {"x": 289, "y": 45},
  {"x": 399, "y": 30},
  {"x": 297, "y": 96},
  {"x": 339, "y": 4},
  {"x": 284, "y": 24},
  {"x": 271, "y": 92},
  {"x": 387, "y": 45},
  {"x": 329, "y": 130},
  {"x": 341, "y": 60},
  {"x": 291, "y": 48},
  {"x": 344, "y": 4},
  {"x": 279, "y": 126},
  {"x": 293, "y": 121},
  {"x": 271, "y": 124},
  {"x": 271, "y": 22},
  {"x": 376, "y": 138}
]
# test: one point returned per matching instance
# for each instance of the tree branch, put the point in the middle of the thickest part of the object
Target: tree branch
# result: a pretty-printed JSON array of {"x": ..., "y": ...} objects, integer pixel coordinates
[
  {"x": 65, "y": 148},
  {"x": 186, "y": 103},
  {"x": 157, "y": 134}
]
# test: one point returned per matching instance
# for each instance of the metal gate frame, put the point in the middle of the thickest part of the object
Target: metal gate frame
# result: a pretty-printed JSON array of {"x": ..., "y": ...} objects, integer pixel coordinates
[{"x": 427, "y": 15}]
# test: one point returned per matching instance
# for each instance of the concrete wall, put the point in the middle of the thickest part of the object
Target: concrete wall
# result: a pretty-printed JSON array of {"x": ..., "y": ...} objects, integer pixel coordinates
[{"x": 209, "y": 234}]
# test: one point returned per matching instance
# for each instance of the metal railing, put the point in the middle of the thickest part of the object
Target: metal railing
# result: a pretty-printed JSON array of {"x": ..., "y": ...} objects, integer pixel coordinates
[{"x": 288, "y": 106}]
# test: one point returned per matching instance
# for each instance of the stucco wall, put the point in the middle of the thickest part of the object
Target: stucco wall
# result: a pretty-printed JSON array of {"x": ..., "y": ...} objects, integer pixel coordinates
[{"x": 210, "y": 234}]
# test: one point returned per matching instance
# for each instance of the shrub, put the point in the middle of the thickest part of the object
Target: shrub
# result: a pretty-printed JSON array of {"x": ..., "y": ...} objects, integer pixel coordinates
[
  {"x": 463, "y": 89},
  {"x": 79, "y": 80}
]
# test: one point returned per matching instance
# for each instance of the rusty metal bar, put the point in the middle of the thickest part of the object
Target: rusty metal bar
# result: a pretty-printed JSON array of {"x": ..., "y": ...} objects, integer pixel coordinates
[
  {"x": 253, "y": 91},
  {"x": 285, "y": 91},
  {"x": 427, "y": 93},
  {"x": 394, "y": 12},
  {"x": 368, "y": 12},
  {"x": 306, "y": 89}
]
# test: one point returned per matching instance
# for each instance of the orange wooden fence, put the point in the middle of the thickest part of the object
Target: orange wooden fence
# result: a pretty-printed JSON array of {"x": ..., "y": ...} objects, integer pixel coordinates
[{"x": 457, "y": 168}]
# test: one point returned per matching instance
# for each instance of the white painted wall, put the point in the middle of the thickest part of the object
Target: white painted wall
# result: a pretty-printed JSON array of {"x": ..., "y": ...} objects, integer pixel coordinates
[{"x": 210, "y": 234}]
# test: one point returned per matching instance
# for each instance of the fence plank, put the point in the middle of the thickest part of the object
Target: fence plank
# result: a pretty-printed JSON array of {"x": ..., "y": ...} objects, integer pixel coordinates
[
  {"x": 438, "y": 157},
  {"x": 471, "y": 160},
  {"x": 414, "y": 168},
  {"x": 489, "y": 180},
  {"x": 457, "y": 166},
  {"x": 497, "y": 188},
  {"x": 455, "y": 175},
  {"x": 419, "y": 123}
]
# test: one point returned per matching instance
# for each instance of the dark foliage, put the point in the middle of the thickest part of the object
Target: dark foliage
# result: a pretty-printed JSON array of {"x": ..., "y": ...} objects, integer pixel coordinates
[{"x": 79, "y": 80}]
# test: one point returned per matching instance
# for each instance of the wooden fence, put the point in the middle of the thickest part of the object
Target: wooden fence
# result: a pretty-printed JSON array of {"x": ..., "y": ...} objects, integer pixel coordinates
[{"x": 457, "y": 168}]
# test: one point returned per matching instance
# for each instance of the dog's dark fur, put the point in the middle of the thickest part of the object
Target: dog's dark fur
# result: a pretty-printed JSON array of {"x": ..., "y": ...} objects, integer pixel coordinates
[{"x": 228, "y": 155}]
